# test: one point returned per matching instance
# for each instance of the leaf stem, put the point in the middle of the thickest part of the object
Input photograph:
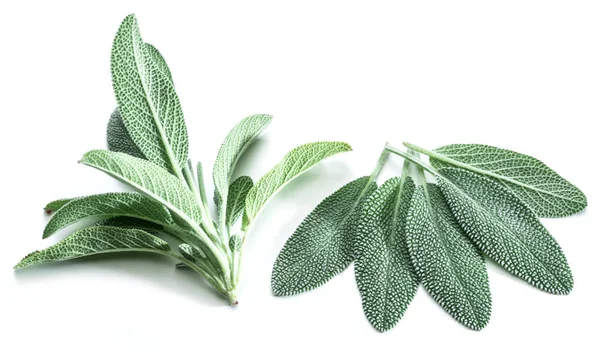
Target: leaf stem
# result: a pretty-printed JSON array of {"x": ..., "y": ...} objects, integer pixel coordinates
[{"x": 414, "y": 160}]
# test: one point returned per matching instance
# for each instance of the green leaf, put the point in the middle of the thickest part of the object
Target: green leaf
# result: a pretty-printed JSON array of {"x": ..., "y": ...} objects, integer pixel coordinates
[
  {"x": 131, "y": 223},
  {"x": 321, "y": 247},
  {"x": 147, "y": 100},
  {"x": 193, "y": 254},
  {"x": 384, "y": 274},
  {"x": 293, "y": 164},
  {"x": 108, "y": 205},
  {"x": 538, "y": 186},
  {"x": 235, "y": 243},
  {"x": 506, "y": 230},
  {"x": 238, "y": 190},
  {"x": 450, "y": 267},
  {"x": 97, "y": 240},
  {"x": 236, "y": 142},
  {"x": 159, "y": 60},
  {"x": 118, "y": 138},
  {"x": 57, "y": 204},
  {"x": 148, "y": 178}
]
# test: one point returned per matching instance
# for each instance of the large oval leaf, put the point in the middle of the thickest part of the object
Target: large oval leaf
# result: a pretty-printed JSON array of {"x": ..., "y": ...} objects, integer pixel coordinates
[
  {"x": 506, "y": 230},
  {"x": 97, "y": 240},
  {"x": 294, "y": 163},
  {"x": 450, "y": 267},
  {"x": 384, "y": 274},
  {"x": 538, "y": 186},
  {"x": 147, "y": 100},
  {"x": 108, "y": 205},
  {"x": 321, "y": 247}
]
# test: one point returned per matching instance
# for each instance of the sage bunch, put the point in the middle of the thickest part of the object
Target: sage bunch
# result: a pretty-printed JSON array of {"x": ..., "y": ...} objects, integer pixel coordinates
[
  {"x": 485, "y": 202},
  {"x": 148, "y": 151}
]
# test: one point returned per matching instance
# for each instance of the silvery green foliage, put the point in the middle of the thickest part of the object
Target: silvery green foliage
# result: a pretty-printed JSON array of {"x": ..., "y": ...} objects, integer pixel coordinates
[
  {"x": 148, "y": 143},
  {"x": 108, "y": 205},
  {"x": 506, "y": 230},
  {"x": 384, "y": 274},
  {"x": 97, "y": 240},
  {"x": 294, "y": 163},
  {"x": 147, "y": 100},
  {"x": 538, "y": 186},
  {"x": 451, "y": 268},
  {"x": 236, "y": 142},
  {"x": 148, "y": 178},
  {"x": 321, "y": 247},
  {"x": 236, "y": 199}
]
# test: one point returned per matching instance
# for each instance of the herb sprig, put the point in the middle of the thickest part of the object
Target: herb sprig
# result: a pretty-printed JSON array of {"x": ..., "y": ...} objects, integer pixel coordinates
[
  {"x": 148, "y": 150},
  {"x": 485, "y": 201}
]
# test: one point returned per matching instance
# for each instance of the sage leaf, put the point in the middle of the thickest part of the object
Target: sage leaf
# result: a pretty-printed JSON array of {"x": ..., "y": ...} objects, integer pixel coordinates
[
  {"x": 118, "y": 138},
  {"x": 293, "y": 164},
  {"x": 451, "y": 268},
  {"x": 57, "y": 204},
  {"x": 193, "y": 254},
  {"x": 147, "y": 100},
  {"x": 149, "y": 179},
  {"x": 108, "y": 205},
  {"x": 97, "y": 240},
  {"x": 384, "y": 274},
  {"x": 238, "y": 190},
  {"x": 538, "y": 186},
  {"x": 236, "y": 142},
  {"x": 506, "y": 229},
  {"x": 131, "y": 223},
  {"x": 322, "y": 246},
  {"x": 159, "y": 60}
]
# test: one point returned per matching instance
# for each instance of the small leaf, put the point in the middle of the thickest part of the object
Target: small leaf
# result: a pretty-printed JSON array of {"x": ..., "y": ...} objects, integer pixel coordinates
[
  {"x": 192, "y": 254},
  {"x": 293, "y": 164},
  {"x": 108, "y": 205},
  {"x": 97, "y": 240},
  {"x": 450, "y": 267},
  {"x": 538, "y": 186},
  {"x": 118, "y": 138},
  {"x": 148, "y": 178},
  {"x": 235, "y": 243},
  {"x": 236, "y": 142},
  {"x": 384, "y": 274},
  {"x": 238, "y": 190},
  {"x": 147, "y": 100},
  {"x": 506, "y": 230},
  {"x": 321, "y": 247},
  {"x": 57, "y": 204}
]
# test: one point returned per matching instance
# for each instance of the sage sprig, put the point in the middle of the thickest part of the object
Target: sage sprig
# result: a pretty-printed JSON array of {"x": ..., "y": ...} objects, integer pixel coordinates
[
  {"x": 485, "y": 201},
  {"x": 148, "y": 151}
]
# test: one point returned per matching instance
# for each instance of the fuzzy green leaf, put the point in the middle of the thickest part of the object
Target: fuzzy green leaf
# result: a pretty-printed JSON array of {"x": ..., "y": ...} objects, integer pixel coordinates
[
  {"x": 57, "y": 204},
  {"x": 238, "y": 190},
  {"x": 118, "y": 138},
  {"x": 292, "y": 165},
  {"x": 148, "y": 178},
  {"x": 234, "y": 145},
  {"x": 159, "y": 60},
  {"x": 384, "y": 274},
  {"x": 321, "y": 247},
  {"x": 538, "y": 186},
  {"x": 506, "y": 230},
  {"x": 193, "y": 254},
  {"x": 450, "y": 267},
  {"x": 108, "y": 205},
  {"x": 131, "y": 223},
  {"x": 147, "y": 100},
  {"x": 97, "y": 240}
]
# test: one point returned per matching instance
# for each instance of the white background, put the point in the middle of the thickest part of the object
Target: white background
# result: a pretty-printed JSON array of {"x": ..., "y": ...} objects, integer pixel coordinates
[{"x": 523, "y": 75}]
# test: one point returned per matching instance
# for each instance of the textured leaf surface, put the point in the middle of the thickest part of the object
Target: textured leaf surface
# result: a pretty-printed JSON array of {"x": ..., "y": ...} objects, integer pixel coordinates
[
  {"x": 506, "y": 230},
  {"x": 57, "y": 204},
  {"x": 384, "y": 274},
  {"x": 159, "y": 60},
  {"x": 293, "y": 164},
  {"x": 321, "y": 247},
  {"x": 450, "y": 267},
  {"x": 238, "y": 190},
  {"x": 538, "y": 186},
  {"x": 192, "y": 254},
  {"x": 131, "y": 223},
  {"x": 118, "y": 138},
  {"x": 238, "y": 139},
  {"x": 147, "y": 100},
  {"x": 108, "y": 205},
  {"x": 148, "y": 178},
  {"x": 97, "y": 240}
]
